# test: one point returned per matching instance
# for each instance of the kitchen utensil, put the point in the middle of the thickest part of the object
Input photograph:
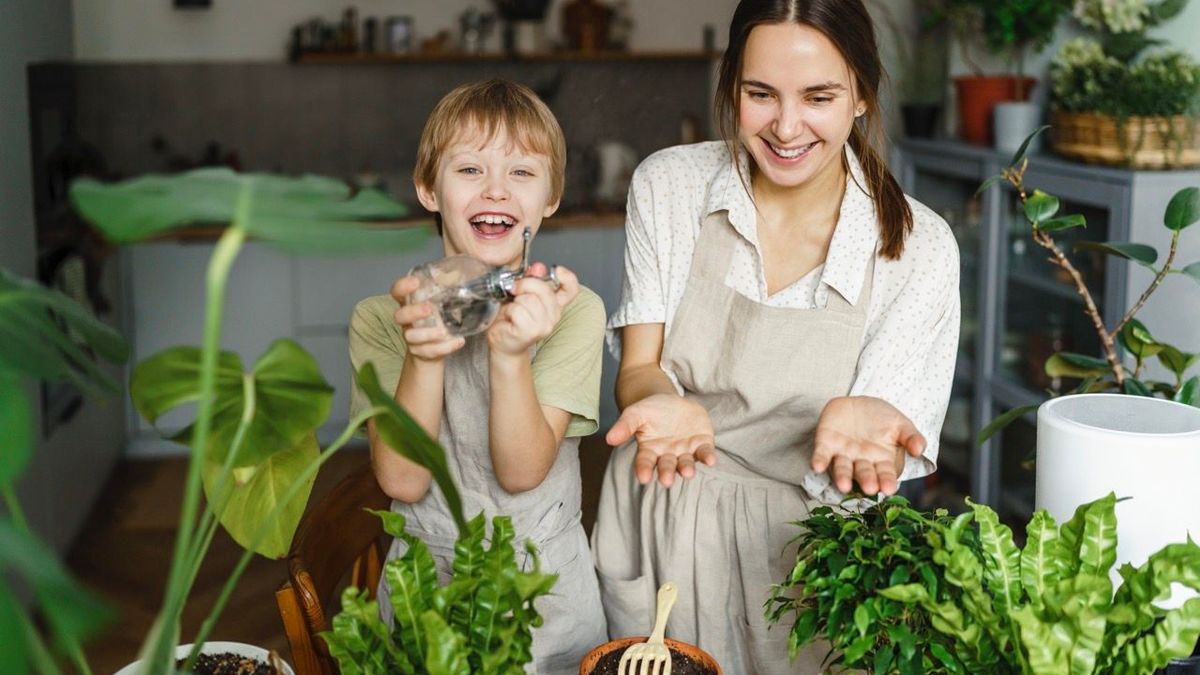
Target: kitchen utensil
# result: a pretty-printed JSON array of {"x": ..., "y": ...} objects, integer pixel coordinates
[{"x": 653, "y": 652}]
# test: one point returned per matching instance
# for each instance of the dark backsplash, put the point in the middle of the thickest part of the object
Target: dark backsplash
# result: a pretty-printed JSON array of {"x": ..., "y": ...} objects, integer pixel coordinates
[{"x": 344, "y": 120}]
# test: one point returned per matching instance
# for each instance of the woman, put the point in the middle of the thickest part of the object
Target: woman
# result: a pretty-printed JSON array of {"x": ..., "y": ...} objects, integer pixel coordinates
[{"x": 788, "y": 326}]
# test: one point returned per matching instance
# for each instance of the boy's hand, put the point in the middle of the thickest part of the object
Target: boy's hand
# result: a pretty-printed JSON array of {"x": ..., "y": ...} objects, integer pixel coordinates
[
  {"x": 429, "y": 344},
  {"x": 534, "y": 311}
]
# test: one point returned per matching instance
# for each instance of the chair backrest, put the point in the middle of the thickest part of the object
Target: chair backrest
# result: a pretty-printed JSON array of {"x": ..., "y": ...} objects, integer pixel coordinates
[{"x": 336, "y": 537}]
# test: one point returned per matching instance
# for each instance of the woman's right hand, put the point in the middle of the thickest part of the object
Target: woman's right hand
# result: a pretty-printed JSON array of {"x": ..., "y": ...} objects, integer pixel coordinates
[
  {"x": 672, "y": 433},
  {"x": 430, "y": 343}
]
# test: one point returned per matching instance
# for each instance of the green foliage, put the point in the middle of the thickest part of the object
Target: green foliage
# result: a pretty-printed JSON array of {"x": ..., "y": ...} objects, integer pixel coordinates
[
  {"x": 43, "y": 336},
  {"x": 1008, "y": 28},
  {"x": 480, "y": 622},
  {"x": 1113, "y": 74},
  {"x": 1049, "y": 608},
  {"x": 254, "y": 432},
  {"x": 1110, "y": 373},
  {"x": 844, "y": 559}
]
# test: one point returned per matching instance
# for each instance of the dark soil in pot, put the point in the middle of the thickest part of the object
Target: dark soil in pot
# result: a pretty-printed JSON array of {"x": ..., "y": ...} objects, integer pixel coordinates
[
  {"x": 681, "y": 664},
  {"x": 227, "y": 663}
]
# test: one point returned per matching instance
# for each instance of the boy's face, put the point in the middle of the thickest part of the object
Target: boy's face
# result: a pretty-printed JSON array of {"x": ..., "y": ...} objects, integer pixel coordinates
[{"x": 487, "y": 194}]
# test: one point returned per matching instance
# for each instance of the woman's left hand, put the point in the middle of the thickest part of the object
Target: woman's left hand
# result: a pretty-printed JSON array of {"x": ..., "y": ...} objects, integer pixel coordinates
[{"x": 864, "y": 439}]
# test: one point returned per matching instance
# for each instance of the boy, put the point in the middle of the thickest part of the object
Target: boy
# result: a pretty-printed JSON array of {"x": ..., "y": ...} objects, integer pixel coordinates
[{"x": 509, "y": 405}]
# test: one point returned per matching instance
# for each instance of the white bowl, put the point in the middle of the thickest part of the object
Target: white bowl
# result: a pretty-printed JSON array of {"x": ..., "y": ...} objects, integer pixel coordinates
[{"x": 239, "y": 648}]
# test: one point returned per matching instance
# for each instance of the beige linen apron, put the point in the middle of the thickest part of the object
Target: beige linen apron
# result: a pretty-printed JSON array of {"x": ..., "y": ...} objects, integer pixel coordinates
[
  {"x": 547, "y": 515},
  {"x": 764, "y": 374}
]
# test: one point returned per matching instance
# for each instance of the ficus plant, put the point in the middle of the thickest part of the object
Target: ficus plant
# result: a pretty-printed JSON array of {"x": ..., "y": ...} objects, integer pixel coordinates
[
  {"x": 254, "y": 450},
  {"x": 1108, "y": 372},
  {"x": 44, "y": 336},
  {"x": 1050, "y": 608},
  {"x": 845, "y": 557}
]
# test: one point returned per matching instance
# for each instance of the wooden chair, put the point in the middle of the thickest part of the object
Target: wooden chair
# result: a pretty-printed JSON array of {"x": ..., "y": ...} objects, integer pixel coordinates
[{"x": 336, "y": 538}]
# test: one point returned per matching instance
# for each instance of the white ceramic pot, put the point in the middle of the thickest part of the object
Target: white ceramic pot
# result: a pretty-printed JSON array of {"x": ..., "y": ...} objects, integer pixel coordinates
[
  {"x": 1147, "y": 449},
  {"x": 1014, "y": 121},
  {"x": 238, "y": 648}
]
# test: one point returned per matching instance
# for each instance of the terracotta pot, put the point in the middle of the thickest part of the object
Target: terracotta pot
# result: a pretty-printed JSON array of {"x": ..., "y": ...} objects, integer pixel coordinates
[
  {"x": 696, "y": 654},
  {"x": 977, "y": 96}
]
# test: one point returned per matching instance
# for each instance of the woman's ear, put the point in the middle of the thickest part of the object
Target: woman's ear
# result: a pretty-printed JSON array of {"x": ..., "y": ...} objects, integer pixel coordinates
[{"x": 427, "y": 196}]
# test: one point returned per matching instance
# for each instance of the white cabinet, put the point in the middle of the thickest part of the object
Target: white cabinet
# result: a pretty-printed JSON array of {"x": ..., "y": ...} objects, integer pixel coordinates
[{"x": 271, "y": 295}]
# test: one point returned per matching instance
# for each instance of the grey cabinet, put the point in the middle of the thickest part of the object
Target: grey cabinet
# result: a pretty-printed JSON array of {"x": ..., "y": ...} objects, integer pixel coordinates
[{"x": 1017, "y": 308}]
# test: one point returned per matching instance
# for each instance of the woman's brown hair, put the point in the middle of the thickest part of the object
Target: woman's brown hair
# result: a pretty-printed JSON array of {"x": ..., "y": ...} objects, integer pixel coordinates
[{"x": 848, "y": 25}]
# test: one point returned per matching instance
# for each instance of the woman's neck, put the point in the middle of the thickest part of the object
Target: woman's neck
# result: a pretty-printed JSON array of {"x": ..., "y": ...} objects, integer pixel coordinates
[{"x": 812, "y": 205}]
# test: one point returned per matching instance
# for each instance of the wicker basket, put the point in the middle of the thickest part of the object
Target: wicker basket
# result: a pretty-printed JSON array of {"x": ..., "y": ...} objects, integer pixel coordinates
[{"x": 1139, "y": 143}]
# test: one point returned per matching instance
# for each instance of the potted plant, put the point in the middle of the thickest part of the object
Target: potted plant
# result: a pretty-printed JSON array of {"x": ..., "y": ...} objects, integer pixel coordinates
[
  {"x": 1116, "y": 103},
  {"x": 1057, "y": 605},
  {"x": 254, "y": 450},
  {"x": 686, "y": 659},
  {"x": 1007, "y": 28},
  {"x": 845, "y": 558},
  {"x": 922, "y": 64}
]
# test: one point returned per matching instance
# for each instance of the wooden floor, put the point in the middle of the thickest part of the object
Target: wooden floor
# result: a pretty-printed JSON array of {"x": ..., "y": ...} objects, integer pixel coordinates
[{"x": 125, "y": 551}]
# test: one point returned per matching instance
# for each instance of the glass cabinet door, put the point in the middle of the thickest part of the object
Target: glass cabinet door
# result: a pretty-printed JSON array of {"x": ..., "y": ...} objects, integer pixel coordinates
[
  {"x": 1043, "y": 311},
  {"x": 1018, "y": 442}
]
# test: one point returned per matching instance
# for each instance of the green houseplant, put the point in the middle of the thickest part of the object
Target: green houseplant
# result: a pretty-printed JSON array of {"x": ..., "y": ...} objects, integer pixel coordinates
[
  {"x": 254, "y": 452},
  {"x": 845, "y": 558},
  {"x": 1009, "y": 29},
  {"x": 1111, "y": 85},
  {"x": 1109, "y": 372},
  {"x": 43, "y": 336},
  {"x": 1050, "y": 607}
]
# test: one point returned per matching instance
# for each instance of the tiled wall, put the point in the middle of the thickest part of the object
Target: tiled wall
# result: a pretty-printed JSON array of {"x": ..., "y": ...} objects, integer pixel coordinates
[{"x": 341, "y": 120}]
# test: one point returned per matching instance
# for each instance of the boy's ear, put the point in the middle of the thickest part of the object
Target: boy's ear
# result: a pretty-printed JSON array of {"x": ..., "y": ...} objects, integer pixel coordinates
[
  {"x": 427, "y": 196},
  {"x": 551, "y": 208}
]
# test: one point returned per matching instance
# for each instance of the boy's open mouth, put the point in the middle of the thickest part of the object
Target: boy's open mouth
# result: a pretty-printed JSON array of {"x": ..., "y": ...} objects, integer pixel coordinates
[{"x": 493, "y": 224}]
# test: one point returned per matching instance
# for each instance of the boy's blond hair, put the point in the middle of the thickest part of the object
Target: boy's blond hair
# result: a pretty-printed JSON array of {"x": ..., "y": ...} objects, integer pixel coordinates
[{"x": 486, "y": 108}]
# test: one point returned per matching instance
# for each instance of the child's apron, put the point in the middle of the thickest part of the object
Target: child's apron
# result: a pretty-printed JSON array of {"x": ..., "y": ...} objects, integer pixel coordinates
[
  {"x": 547, "y": 515},
  {"x": 764, "y": 374}
]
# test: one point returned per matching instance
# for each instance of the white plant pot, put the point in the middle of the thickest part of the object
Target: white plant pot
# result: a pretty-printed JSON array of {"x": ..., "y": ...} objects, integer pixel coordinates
[
  {"x": 238, "y": 648},
  {"x": 1014, "y": 121},
  {"x": 1146, "y": 449}
]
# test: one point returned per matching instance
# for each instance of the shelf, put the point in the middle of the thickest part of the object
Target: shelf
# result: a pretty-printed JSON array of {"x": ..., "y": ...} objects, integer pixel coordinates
[{"x": 357, "y": 59}]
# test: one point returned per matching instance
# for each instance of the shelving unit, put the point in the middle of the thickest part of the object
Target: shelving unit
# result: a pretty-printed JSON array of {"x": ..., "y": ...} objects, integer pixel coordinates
[
  {"x": 361, "y": 58},
  {"x": 1016, "y": 311}
]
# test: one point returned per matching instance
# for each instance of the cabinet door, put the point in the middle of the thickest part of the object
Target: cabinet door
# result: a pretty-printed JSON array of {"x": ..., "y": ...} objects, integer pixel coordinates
[{"x": 1043, "y": 310}]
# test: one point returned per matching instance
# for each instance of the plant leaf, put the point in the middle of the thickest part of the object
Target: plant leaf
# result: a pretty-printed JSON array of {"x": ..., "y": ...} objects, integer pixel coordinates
[
  {"x": 12, "y": 632},
  {"x": 1024, "y": 149},
  {"x": 988, "y": 183},
  {"x": 1141, "y": 254},
  {"x": 1189, "y": 393},
  {"x": 327, "y": 238},
  {"x": 1176, "y": 361},
  {"x": 15, "y": 428},
  {"x": 142, "y": 207},
  {"x": 1067, "y": 364},
  {"x": 1174, "y": 637},
  {"x": 1135, "y": 387},
  {"x": 1183, "y": 209},
  {"x": 445, "y": 650},
  {"x": 1042, "y": 557},
  {"x": 249, "y": 502},
  {"x": 290, "y": 398},
  {"x": 1136, "y": 338},
  {"x": 1001, "y": 558},
  {"x": 44, "y": 334},
  {"x": 1040, "y": 207},
  {"x": 1193, "y": 271},
  {"x": 403, "y": 435},
  {"x": 1098, "y": 545},
  {"x": 1062, "y": 223},
  {"x": 1004, "y": 420}
]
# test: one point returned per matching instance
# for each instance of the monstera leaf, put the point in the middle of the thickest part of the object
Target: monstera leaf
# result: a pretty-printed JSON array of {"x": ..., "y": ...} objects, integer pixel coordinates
[
  {"x": 307, "y": 214},
  {"x": 282, "y": 400},
  {"x": 246, "y": 500}
]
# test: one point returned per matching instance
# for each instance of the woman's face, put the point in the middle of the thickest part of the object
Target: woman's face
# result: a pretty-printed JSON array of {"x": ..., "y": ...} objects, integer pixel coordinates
[{"x": 797, "y": 103}]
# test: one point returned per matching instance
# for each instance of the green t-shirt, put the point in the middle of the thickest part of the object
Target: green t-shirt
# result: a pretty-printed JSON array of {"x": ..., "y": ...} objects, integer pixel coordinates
[{"x": 566, "y": 366}]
